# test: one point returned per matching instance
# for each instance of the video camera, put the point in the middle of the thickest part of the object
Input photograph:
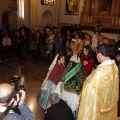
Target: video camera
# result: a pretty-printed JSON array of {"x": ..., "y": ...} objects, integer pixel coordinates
[{"x": 14, "y": 82}]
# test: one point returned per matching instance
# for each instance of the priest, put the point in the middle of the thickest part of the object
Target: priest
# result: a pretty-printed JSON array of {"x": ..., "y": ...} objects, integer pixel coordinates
[{"x": 99, "y": 95}]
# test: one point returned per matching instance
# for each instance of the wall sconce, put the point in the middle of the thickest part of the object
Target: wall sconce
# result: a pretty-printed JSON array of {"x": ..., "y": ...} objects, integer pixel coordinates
[{"x": 48, "y": 2}]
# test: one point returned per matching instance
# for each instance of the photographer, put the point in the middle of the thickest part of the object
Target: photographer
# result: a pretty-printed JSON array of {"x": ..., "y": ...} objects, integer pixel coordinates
[{"x": 7, "y": 93}]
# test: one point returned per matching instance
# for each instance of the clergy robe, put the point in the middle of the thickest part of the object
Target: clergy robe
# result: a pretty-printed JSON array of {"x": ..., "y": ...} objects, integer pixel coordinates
[{"x": 100, "y": 93}]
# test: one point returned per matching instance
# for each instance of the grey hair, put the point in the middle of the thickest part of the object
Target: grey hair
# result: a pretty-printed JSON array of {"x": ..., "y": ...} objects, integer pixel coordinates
[{"x": 54, "y": 98}]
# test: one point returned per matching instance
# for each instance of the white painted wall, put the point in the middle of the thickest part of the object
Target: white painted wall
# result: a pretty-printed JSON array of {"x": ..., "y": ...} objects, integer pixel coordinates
[
  {"x": 4, "y": 6},
  {"x": 58, "y": 17},
  {"x": 42, "y": 9},
  {"x": 71, "y": 19},
  {"x": 47, "y": 17},
  {"x": 68, "y": 19}
]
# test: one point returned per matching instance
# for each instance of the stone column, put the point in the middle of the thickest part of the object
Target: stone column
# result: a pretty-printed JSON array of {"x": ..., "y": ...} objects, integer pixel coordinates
[{"x": 34, "y": 13}]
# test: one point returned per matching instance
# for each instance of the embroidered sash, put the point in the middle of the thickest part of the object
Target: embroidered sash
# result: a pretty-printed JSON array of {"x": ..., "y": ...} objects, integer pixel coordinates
[{"x": 73, "y": 77}]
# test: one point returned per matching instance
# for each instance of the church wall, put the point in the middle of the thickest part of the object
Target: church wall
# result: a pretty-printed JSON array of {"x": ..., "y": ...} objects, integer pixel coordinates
[
  {"x": 33, "y": 21},
  {"x": 70, "y": 19},
  {"x": 58, "y": 12},
  {"x": 3, "y": 7},
  {"x": 41, "y": 11},
  {"x": 27, "y": 14}
]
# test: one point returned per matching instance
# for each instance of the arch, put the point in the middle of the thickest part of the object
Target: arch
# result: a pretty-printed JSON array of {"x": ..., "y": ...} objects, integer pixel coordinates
[
  {"x": 5, "y": 19},
  {"x": 47, "y": 17}
]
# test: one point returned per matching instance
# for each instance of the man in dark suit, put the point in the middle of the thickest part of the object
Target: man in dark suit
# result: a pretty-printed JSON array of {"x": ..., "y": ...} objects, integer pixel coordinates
[{"x": 58, "y": 109}]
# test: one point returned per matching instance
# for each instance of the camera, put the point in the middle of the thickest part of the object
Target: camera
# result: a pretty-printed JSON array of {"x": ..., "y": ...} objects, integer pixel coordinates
[
  {"x": 14, "y": 81},
  {"x": 18, "y": 92}
]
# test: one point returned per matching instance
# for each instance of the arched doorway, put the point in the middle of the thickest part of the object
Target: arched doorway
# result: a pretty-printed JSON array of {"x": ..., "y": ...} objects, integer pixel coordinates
[
  {"x": 5, "y": 19},
  {"x": 47, "y": 17}
]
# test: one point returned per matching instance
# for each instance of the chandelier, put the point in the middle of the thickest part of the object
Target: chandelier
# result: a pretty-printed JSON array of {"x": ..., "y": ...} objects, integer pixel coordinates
[{"x": 48, "y": 2}]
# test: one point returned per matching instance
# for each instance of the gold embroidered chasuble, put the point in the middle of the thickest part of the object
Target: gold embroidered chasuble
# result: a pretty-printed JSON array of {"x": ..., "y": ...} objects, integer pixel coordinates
[{"x": 99, "y": 95}]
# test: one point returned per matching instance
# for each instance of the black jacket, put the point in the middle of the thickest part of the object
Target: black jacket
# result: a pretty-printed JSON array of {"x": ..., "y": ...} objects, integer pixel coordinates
[{"x": 59, "y": 111}]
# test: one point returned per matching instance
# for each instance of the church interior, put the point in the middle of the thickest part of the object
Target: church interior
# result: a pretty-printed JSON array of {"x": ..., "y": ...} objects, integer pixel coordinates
[{"x": 87, "y": 16}]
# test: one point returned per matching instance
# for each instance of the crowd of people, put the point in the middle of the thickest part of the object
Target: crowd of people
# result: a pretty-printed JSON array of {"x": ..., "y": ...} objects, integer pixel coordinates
[
  {"x": 83, "y": 77},
  {"x": 84, "y": 58},
  {"x": 48, "y": 41},
  {"x": 85, "y": 89}
]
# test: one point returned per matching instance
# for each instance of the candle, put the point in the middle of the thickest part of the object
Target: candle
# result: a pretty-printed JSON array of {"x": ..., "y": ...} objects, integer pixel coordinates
[
  {"x": 88, "y": 19},
  {"x": 91, "y": 19},
  {"x": 112, "y": 20},
  {"x": 119, "y": 20},
  {"x": 85, "y": 19},
  {"x": 116, "y": 21}
]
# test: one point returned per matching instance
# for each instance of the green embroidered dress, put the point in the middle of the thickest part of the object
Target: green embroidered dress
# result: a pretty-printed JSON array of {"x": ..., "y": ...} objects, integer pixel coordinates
[
  {"x": 73, "y": 77},
  {"x": 72, "y": 81}
]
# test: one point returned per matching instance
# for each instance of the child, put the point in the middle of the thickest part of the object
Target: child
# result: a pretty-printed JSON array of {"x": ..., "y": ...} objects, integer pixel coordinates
[{"x": 53, "y": 78}]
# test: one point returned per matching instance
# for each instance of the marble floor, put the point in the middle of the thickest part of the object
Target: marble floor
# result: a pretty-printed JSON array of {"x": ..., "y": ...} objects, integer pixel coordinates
[{"x": 32, "y": 72}]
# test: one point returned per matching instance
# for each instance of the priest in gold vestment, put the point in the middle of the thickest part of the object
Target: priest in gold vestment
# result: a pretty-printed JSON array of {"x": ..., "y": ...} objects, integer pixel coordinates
[{"x": 99, "y": 95}]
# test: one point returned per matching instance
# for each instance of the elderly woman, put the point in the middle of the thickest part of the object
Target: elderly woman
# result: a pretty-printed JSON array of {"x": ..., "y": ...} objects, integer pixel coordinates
[{"x": 58, "y": 109}]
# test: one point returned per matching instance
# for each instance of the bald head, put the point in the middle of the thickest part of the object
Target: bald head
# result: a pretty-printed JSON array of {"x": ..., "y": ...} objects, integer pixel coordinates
[{"x": 6, "y": 93}]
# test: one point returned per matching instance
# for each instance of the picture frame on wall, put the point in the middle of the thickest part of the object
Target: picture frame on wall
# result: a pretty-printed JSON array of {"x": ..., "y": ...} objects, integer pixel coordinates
[{"x": 71, "y": 7}]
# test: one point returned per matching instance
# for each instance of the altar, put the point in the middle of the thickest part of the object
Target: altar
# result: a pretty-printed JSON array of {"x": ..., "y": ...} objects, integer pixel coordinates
[{"x": 111, "y": 36}]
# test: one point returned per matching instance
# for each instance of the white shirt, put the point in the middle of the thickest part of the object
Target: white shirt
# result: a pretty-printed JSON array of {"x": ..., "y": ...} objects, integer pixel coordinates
[
  {"x": 107, "y": 62},
  {"x": 6, "y": 41}
]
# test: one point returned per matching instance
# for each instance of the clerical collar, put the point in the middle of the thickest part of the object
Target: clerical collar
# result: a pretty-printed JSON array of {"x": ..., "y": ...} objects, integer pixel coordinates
[
  {"x": 2, "y": 109},
  {"x": 107, "y": 62}
]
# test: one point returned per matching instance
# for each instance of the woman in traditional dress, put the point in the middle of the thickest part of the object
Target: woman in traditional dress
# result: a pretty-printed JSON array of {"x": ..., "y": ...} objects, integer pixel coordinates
[
  {"x": 72, "y": 80},
  {"x": 53, "y": 77}
]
